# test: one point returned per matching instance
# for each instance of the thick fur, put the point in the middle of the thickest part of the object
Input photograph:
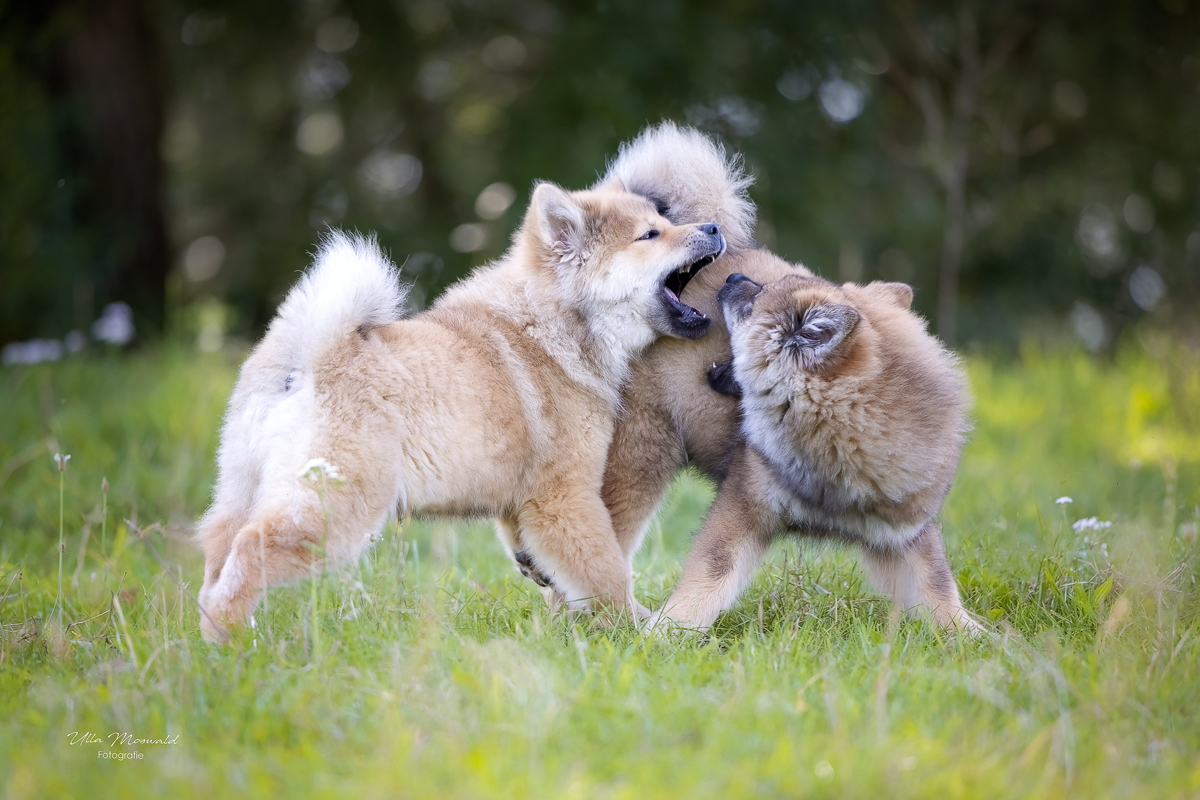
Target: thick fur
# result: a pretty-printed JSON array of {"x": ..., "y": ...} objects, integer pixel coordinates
[
  {"x": 688, "y": 176},
  {"x": 853, "y": 421},
  {"x": 499, "y": 401},
  {"x": 866, "y": 466}
]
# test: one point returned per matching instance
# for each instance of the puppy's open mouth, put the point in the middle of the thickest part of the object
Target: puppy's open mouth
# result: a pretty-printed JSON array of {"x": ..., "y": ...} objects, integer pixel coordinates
[
  {"x": 683, "y": 276},
  {"x": 684, "y": 321}
]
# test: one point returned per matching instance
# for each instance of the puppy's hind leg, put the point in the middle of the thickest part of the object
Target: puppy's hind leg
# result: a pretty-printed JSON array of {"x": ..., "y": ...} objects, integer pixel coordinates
[
  {"x": 643, "y": 458},
  {"x": 272, "y": 548},
  {"x": 283, "y": 544},
  {"x": 233, "y": 502},
  {"x": 215, "y": 535},
  {"x": 917, "y": 578}
]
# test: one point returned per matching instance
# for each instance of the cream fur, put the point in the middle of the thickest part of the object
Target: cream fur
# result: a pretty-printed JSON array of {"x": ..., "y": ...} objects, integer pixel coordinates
[
  {"x": 690, "y": 176},
  {"x": 499, "y": 401}
]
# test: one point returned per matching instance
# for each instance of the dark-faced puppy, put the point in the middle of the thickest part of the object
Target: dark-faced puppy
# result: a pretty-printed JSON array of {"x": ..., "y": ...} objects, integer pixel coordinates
[
  {"x": 883, "y": 497},
  {"x": 853, "y": 421}
]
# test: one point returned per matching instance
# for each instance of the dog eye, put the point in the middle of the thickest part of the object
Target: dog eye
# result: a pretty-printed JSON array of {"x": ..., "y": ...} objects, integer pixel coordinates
[{"x": 650, "y": 234}]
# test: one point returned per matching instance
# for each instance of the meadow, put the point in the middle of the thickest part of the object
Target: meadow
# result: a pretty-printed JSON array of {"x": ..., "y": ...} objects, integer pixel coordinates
[{"x": 434, "y": 669}]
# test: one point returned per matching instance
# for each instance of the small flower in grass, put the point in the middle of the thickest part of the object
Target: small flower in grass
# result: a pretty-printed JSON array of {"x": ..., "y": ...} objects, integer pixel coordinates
[
  {"x": 1062, "y": 501},
  {"x": 1090, "y": 524},
  {"x": 61, "y": 460},
  {"x": 318, "y": 468}
]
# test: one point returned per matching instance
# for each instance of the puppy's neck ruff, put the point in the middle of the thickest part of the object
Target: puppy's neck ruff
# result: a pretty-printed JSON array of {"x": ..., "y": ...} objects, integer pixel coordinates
[{"x": 595, "y": 350}]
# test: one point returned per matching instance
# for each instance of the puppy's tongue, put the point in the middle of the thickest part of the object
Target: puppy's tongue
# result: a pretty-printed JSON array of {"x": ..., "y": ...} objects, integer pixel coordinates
[{"x": 687, "y": 314}]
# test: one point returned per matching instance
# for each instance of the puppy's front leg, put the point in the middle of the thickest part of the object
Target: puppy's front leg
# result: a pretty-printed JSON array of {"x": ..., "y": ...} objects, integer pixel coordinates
[
  {"x": 727, "y": 551},
  {"x": 571, "y": 540}
]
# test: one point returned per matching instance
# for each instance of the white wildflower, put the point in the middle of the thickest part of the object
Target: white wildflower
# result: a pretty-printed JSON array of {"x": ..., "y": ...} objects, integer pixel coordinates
[
  {"x": 318, "y": 468},
  {"x": 115, "y": 325},
  {"x": 35, "y": 351},
  {"x": 1090, "y": 524},
  {"x": 1062, "y": 501}
]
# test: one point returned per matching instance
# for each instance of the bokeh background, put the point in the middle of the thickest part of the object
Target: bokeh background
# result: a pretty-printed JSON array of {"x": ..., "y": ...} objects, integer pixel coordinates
[{"x": 1033, "y": 168}]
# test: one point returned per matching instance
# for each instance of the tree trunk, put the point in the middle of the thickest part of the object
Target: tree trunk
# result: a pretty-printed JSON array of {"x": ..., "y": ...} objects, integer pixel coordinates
[
  {"x": 954, "y": 176},
  {"x": 954, "y": 235},
  {"x": 111, "y": 62}
]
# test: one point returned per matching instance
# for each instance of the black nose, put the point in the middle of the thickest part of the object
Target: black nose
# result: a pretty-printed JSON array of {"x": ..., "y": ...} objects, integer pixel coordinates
[
  {"x": 737, "y": 277},
  {"x": 711, "y": 228}
]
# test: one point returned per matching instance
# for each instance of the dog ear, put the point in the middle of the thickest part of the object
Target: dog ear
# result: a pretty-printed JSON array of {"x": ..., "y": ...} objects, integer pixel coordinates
[
  {"x": 823, "y": 331},
  {"x": 900, "y": 293},
  {"x": 559, "y": 222}
]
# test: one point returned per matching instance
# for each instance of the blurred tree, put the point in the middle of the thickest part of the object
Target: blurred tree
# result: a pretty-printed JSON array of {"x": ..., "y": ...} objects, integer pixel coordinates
[
  {"x": 1037, "y": 163},
  {"x": 1001, "y": 92},
  {"x": 948, "y": 90},
  {"x": 87, "y": 223},
  {"x": 111, "y": 61}
]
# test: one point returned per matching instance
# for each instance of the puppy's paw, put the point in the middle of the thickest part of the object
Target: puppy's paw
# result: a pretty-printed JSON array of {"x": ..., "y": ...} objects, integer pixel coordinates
[
  {"x": 968, "y": 624},
  {"x": 554, "y": 598},
  {"x": 675, "y": 618},
  {"x": 529, "y": 568},
  {"x": 211, "y": 630},
  {"x": 660, "y": 622},
  {"x": 721, "y": 379},
  {"x": 220, "y": 615},
  {"x": 655, "y": 622}
]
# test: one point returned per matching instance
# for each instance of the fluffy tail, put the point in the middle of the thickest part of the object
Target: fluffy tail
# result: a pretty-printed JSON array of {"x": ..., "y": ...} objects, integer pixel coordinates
[
  {"x": 690, "y": 178},
  {"x": 351, "y": 286}
]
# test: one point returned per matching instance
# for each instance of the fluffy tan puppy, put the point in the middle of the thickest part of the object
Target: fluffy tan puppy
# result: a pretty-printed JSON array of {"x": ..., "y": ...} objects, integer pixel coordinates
[
  {"x": 671, "y": 418},
  {"x": 499, "y": 401}
]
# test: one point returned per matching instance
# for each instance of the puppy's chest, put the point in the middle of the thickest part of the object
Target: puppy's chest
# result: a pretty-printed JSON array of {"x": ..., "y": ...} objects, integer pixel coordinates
[
  {"x": 828, "y": 430},
  {"x": 824, "y": 455}
]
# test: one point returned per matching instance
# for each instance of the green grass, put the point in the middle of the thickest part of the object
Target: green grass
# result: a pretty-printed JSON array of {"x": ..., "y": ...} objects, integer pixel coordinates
[{"x": 436, "y": 671}]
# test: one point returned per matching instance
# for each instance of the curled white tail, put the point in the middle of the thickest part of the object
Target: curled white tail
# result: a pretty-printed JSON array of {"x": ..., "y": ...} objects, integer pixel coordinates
[
  {"x": 691, "y": 179},
  {"x": 351, "y": 285}
]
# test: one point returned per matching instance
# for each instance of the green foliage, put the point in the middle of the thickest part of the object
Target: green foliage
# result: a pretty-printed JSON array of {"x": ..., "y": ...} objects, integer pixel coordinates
[
  {"x": 394, "y": 117},
  {"x": 437, "y": 670}
]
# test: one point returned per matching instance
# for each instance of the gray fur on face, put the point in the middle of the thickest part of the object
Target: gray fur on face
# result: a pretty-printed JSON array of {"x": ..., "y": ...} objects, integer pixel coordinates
[{"x": 822, "y": 333}]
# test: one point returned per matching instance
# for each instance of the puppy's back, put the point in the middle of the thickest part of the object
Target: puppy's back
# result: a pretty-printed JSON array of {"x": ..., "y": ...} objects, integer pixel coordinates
[{"x": 922, "y": 394}]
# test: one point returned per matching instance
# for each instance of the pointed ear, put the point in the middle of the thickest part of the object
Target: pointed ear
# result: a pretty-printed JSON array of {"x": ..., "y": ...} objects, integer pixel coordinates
[
  {"x": 824, "y": 331},
  {"x": 900, "y": 293},
  {"x": 558, "y": 221}
]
